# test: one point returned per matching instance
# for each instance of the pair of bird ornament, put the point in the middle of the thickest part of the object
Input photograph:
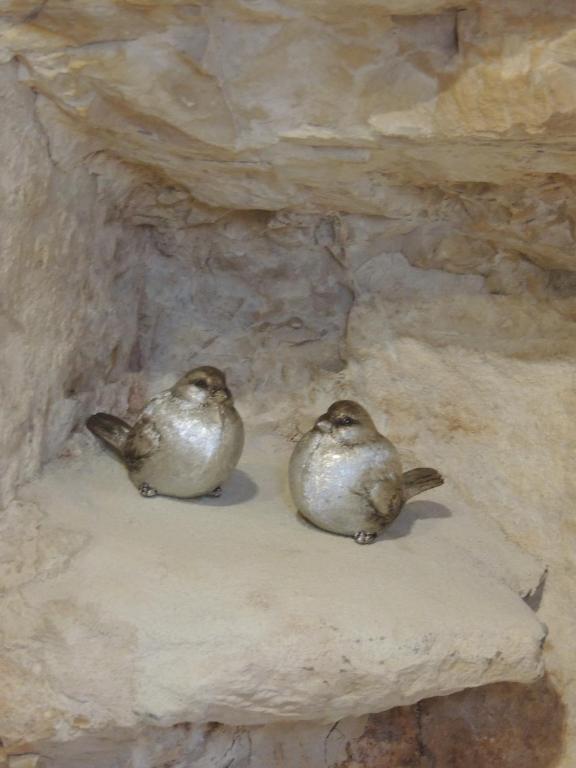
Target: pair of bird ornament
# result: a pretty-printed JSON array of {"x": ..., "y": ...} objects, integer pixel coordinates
[{"x": 345, "y": 477}]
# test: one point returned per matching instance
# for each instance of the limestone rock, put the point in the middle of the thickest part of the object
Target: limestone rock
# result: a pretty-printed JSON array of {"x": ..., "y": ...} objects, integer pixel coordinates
[
  {"x": 70, "y": 284},
  {"x": 138, "y": 617},
  {"x": 290, "y": 104},
  {"x": 373, "y": 200},
  {"x": 505, "y": 724},
  {"x": 23, "y": 761}
]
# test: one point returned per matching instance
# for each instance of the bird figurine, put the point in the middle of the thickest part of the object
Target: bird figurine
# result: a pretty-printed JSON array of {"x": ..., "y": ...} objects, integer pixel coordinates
[
  {"x": 185, "y": 442},
  {"x": 345, "y": 477}
]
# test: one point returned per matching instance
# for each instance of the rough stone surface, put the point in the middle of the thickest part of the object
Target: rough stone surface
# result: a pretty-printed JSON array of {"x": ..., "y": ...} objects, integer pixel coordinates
[
  {"x": 327, "y": 202},
  {"x": 70, "y": 280},
  {"x": 122, "y": 611},
  {"x": 286, "y": 103},
  {"x": 505, "y": 725}
]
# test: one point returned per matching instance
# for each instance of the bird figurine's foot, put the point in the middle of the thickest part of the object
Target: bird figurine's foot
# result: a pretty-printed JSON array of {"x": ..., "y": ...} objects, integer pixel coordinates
[
  {"x": 147, "y": 490},
  {"x": 216, "y": 493},
  {"x": 361, "y": 537}
]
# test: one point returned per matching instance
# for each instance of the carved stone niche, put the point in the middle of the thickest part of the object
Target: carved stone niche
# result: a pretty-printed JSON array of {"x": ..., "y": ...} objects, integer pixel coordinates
[{"x": 373, "y": 202}]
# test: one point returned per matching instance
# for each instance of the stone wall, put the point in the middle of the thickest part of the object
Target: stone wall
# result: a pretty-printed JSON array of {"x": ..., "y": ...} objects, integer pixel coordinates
[
  {"x": 326, "y": 198},
  {"x": 69, "y": 287},
  {"x": 505, "y": 725}
]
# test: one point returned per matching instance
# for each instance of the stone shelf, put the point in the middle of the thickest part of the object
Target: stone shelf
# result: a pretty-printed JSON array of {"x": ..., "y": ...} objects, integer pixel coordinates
[{"x": 126, "y": 611}]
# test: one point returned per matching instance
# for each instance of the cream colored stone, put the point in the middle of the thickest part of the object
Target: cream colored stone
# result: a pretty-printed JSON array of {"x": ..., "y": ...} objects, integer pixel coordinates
[
  {"x": 68, "y": 309},
  {"x": 487, "y": 383},
  {"x": 126, "y": 610},
  {"x": 188, "y": 89},
  {"x": 23, "y": 761},
  {"x": 374, "y": 201}
]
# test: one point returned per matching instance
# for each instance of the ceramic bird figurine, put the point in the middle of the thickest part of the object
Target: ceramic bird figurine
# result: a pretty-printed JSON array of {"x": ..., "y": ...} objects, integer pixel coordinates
[
  {"x": 186, "y": 441},
  {"x": 345, "y": 477}
]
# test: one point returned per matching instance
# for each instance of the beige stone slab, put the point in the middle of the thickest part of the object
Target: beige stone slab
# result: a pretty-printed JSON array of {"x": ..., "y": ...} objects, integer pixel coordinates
[{"x": 160, "y": 611}]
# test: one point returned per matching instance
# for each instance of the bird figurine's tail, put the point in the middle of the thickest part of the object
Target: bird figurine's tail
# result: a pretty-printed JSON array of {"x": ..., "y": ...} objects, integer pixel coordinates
[
  {"x": 419, "y": 480},
  {"x": 110, "y": 429}
]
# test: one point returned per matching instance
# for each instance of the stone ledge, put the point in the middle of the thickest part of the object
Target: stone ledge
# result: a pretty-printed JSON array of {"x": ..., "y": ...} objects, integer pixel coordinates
[{"x": 125, "y": 611}]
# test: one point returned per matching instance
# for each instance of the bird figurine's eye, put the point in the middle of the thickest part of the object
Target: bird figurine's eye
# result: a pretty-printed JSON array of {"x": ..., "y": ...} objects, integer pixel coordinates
[
  {"x": 201, "y": 383},
  {"x": 344, "y": 421}
]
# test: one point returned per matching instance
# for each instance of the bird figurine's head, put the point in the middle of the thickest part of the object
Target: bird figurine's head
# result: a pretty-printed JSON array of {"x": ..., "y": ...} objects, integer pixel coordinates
[
  {"x": 204, "y": 385},
  {"x": 347, "y": 422}
]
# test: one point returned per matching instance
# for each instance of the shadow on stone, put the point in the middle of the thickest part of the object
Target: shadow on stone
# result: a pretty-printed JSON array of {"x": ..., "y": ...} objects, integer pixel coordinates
[
  {"x": 239, "y": 489},
  {"x": 533, "y": 599},
  {"x": 411, "y": 514},
  {"x": 418, "y": 510}
]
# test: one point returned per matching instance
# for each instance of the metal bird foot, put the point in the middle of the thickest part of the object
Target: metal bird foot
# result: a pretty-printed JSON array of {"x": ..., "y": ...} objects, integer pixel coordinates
[
  {"x": 147, "y": 491},
  {"x": 361, "y": 537}
]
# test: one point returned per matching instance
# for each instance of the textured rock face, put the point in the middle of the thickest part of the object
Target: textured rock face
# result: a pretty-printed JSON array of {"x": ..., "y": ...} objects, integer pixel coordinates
[
  {"x": 507, "y": 725},
  {"x": 373, "y": 200},
  {"x": 125, "y": 609},
  {"x": 255, "y": 105},
  {"x": 68, "y": 313}
]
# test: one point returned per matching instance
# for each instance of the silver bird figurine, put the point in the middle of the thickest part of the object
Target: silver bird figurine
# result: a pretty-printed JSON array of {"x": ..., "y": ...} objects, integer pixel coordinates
[
  {"x": 345, "y": 477},
  {"x": 186, "y": 441}
]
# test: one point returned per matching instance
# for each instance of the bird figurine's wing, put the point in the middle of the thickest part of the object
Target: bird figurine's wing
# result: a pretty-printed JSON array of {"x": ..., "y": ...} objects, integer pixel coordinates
[
  {"x": 387, "y": 498},
  {"x": 142, "y": 440}
]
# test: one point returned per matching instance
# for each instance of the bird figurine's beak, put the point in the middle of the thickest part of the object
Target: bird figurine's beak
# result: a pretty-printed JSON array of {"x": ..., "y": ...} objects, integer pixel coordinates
[
  {"x": 220, "y": 393},
  {"x": 323, "y": 425}
]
